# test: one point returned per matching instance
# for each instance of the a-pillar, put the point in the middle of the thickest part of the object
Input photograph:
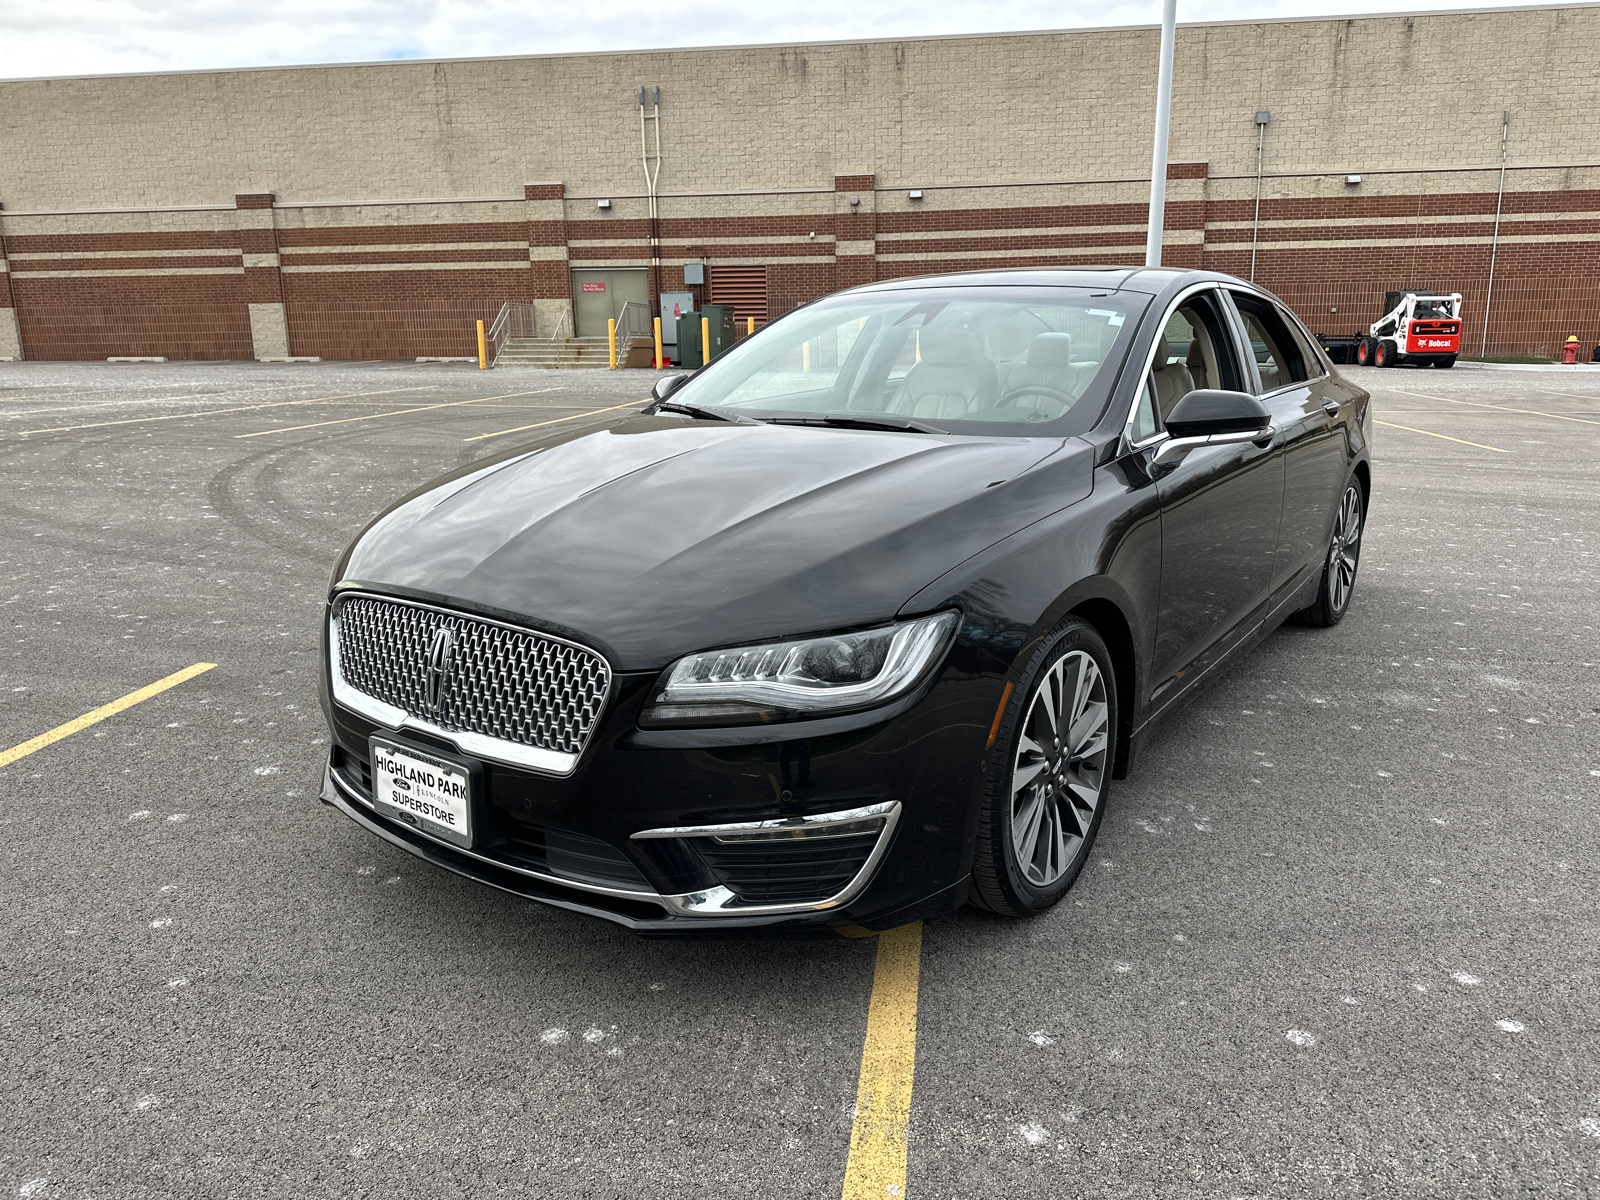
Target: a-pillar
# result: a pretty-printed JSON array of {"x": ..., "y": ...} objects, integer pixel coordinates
[
  {"x": 549, "y": 276},
  {"x": 10, "y": 332},
  {"x": 855, "y": 230},
  {"x": 263, "y": 277}
]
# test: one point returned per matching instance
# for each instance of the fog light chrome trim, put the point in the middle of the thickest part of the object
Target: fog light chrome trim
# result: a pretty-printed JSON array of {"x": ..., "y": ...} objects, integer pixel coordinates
[{"x": 722, "y": 902}]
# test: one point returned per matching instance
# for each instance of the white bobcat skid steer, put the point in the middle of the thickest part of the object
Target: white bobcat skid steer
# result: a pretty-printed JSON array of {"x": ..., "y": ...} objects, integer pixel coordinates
[{"x": 1417, "y": 327}]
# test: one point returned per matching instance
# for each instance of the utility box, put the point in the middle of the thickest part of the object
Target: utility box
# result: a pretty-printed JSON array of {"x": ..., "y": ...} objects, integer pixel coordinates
[
  {"x": 719, "y": 318},
  {"x": 673, "y": 306}
]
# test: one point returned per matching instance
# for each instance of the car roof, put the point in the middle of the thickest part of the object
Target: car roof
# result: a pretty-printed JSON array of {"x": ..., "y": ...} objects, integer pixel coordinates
[{"x": 1145, "y": 280}]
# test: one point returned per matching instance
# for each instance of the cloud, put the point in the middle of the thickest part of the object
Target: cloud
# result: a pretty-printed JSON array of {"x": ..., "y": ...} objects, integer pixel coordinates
[{"x": 85, "y": 37}]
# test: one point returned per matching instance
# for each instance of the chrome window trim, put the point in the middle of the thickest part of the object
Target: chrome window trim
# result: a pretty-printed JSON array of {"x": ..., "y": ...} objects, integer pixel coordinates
[
  {"x": 1150, "y": 357},
  {"x": 1290, "y": 315},
  {"x": 512, "y": 754}
]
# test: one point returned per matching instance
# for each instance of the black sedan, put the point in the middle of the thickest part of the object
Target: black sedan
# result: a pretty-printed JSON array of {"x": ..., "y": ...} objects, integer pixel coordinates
[{"x": 857, "y": 623}]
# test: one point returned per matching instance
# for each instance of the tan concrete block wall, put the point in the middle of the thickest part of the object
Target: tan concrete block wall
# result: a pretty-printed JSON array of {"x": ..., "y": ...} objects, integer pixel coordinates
[{"x": 1358, "y": 95}]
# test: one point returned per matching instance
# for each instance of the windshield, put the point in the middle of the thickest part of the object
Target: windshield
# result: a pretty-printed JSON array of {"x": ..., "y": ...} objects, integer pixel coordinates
[
  {"x": 1022, "y": 361},
  {"x": 1431, "y": 307}
]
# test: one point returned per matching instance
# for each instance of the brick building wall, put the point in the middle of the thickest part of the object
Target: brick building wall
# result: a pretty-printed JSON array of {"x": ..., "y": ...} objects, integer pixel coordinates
[{"x": 379, "y": 210}]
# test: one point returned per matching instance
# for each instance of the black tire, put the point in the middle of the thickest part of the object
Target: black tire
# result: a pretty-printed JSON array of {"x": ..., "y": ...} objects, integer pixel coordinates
[
  {"x": 1444, "y": 364},
  {"x": 1385, "y": 355},
  {"x": 1334, "y": 592},
  {"x": 1364, "y": 352},
  {"x": 1002, "y": 881}
]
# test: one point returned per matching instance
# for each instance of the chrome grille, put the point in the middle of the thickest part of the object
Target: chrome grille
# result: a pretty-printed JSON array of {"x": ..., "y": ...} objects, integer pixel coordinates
[{"x": 508, "y": 684}]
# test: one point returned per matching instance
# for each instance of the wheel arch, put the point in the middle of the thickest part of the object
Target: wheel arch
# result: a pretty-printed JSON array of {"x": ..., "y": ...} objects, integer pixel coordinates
[
  {"x": 1102, "y": 604},
  {"x": 1363, "y": 476},
  {"x": 1112, "y": 626}
]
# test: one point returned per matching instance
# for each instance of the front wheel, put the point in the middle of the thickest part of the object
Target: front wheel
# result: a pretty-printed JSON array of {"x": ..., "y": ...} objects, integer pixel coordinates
[
  {"x": 1339, "y": 568},
  {"x": 1364, "y": 352},
  {"x": 1049, "y": 774}
]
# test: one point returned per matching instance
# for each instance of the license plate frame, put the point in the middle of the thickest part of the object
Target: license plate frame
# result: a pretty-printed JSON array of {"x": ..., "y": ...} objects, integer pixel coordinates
[{"x": 435, "y": 794}]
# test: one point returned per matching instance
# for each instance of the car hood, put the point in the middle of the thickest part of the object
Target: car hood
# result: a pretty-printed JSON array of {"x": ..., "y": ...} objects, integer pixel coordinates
[{"x": 661, "y": 536}]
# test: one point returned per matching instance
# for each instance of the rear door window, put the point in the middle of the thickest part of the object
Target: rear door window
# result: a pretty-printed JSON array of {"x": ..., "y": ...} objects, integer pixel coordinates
[{"x": 1278, "y": 356}]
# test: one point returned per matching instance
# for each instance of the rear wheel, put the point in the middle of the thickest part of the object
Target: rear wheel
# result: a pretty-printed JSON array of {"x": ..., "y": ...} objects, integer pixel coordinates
[
  {"x": 1049, "y": 774},
  {"x": 1364, "y": 352},
  {"x": 1339, "y": 568},
  {"x": 1445, "y": 363},
  {"x": 1385, "y": 356}
]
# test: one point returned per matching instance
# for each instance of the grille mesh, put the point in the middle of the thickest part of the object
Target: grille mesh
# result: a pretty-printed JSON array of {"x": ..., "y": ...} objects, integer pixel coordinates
[{"x": 506, "y": 683}]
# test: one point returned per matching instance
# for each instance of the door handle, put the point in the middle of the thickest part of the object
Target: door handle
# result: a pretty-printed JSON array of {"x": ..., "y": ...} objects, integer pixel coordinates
[{"x": 1331, "y": 407}]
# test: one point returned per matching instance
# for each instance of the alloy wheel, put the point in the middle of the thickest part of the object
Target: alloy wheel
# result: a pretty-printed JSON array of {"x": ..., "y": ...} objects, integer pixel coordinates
[
  {"x": 1346, "y": 549},
  {"x": 1059, "y": 774}
]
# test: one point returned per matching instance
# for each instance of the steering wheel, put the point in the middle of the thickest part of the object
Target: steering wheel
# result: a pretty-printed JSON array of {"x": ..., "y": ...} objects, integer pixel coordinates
[{"x": 1062, "y": 399}]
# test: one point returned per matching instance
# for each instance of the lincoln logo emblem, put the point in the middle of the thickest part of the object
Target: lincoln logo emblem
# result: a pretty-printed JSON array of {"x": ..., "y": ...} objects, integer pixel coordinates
[{"x": 441, "y": 659}]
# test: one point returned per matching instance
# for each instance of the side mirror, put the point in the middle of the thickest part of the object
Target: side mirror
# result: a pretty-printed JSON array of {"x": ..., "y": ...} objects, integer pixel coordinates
[
  {"x": 1211, "y": 417},
  {"x": 665, "y": 387},
  {"x": 1210, "y": 411}
]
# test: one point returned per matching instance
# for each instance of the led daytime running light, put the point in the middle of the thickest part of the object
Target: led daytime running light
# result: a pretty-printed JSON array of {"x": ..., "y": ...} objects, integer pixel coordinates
[{"x": 786, "y": 680}]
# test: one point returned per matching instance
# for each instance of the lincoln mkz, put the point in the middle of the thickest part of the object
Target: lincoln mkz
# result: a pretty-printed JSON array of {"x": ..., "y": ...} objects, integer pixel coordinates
[{"x": 857, "y": 623}]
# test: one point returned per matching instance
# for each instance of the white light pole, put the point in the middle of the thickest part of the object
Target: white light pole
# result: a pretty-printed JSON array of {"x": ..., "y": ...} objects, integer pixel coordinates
[{"x": 1158, "y": 163}]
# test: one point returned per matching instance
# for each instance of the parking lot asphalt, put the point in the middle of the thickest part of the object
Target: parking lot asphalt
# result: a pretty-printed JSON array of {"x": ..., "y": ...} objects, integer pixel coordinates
[{"x": 1338, "y": 938}]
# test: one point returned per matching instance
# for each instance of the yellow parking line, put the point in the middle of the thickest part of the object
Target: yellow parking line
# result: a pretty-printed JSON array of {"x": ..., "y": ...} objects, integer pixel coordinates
[
  {"x": 212, "y": 412},
  {"x": 1529, "y": 412},
  {"x": 100, "y": 714},
  {"x": 1445, "y": 436},
  {"x": 877, "y": 1166},
  {"x": 557, "y": 421},
  {"x": 392, "y": 413}
]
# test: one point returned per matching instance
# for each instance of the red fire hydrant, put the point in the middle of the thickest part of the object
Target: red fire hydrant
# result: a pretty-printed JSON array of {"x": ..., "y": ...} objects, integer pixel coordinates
[{"x": 1569, "y": 352}]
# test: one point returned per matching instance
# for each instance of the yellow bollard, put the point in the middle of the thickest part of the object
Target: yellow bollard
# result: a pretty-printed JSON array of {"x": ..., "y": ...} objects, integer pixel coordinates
[
  {"x": 611, "y": 337},
  {"x": 705, "y": 340},
  {"x": 749, "y": 326},
  {"x": 805, "y": 357},
  {"x": 483, "y": 350},
  {"x": 659, "y": 362}
]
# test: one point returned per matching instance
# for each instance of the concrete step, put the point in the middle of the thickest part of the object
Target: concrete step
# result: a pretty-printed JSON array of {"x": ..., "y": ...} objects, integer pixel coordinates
[{"x": 568, "y": 354}]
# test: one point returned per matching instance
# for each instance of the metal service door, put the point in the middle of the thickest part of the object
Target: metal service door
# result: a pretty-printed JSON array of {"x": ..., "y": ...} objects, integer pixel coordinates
[{"x": 598, "y": 296}]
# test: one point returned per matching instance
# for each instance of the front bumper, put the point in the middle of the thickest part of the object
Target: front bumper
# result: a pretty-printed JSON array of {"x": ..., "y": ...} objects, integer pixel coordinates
[{"x": 855, "y": 824}]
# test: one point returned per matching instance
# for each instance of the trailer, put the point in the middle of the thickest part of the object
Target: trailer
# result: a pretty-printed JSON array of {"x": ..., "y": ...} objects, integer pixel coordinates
[{"x": 1418, "y": 326}]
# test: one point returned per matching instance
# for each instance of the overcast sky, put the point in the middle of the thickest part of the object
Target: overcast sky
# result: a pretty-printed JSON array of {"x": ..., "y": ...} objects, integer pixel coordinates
[{"x": 87, "y": 37}]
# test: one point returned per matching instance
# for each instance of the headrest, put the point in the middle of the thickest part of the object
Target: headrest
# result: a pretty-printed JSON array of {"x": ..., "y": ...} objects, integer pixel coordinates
[
  {"x": 1050, "y": 350},
  {"x": 1196, "y": 357},
  {"x": 957, "y": 347},
  {"x": 1163, "y": 353}
]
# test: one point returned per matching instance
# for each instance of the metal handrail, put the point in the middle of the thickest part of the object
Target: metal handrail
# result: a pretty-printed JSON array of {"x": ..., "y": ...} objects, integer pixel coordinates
[
  {"x": 566, "y": 319},
  {"x": 634, "y": 321},
  {"x": 514, "y": 320}
]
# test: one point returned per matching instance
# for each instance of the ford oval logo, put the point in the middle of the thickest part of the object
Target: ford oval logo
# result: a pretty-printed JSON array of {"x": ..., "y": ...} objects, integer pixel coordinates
[{"x": 441, "y": 660}]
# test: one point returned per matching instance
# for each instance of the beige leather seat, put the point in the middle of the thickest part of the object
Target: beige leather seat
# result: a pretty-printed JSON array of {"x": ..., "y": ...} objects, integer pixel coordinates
[
  {"x": 1196, "y": 362},
  {"x": 1173, "y": 381},
  {"x": 1049, "y": 365},
  {"x": 953, "y": 379}
]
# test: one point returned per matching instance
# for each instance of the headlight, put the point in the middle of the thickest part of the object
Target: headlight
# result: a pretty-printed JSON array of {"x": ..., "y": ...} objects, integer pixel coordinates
[{"x": 785, "y": 681}]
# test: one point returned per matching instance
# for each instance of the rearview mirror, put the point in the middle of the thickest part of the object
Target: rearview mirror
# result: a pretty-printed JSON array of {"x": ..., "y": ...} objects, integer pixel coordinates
[
  {"x": 665, "y": 387},
  {"x": 1209, "y": 411}
]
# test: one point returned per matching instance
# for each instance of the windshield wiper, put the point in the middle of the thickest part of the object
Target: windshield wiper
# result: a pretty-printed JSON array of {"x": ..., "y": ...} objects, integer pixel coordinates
[
  {"x": 881, "y": 421},
  {"x": 848, "y": 421},
  {"x": 700, "y": 412}
]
